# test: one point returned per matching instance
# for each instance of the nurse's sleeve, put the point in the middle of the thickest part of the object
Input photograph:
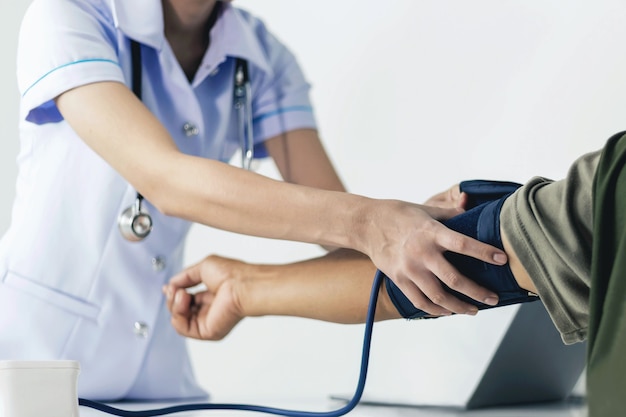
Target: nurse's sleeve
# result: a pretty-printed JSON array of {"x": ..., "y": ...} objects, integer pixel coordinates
[
  {"x": 62, "y": 45},
  {"x": 281, "y": 99}
]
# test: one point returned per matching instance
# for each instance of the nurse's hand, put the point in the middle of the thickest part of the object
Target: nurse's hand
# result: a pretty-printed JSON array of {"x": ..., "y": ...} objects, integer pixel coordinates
[
  {"x": 413, "y": 257},
  {"x": 451, "y": 198},
  {"x": 212, "y": 312}
]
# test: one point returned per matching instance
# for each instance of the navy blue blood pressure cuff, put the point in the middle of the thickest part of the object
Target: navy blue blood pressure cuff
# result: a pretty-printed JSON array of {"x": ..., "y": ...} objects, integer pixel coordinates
[{"x": 482, "y": 222}]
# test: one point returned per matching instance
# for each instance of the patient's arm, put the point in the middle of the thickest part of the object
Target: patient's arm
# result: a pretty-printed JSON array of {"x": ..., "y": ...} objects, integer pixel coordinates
[
  {"x": 519, "y": 272},
  {"x": 335, "y": 287}
]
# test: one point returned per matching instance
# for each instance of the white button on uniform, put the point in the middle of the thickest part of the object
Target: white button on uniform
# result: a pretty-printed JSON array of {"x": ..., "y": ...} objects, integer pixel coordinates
[
  {"x": 190, "y": 129},
  {"x": 141, "y": 329},
  {"x": 214, "y": 72},
  {"x": 158, "y": 263}
]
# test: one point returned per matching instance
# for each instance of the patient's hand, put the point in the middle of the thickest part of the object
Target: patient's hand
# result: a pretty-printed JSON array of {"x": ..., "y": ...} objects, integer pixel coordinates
[
  {"x": 211, "y": 313},
  {"x": 450, "y": 198}
]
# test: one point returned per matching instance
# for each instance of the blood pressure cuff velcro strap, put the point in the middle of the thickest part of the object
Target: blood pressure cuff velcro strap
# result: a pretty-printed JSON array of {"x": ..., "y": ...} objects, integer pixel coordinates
[
  {"x": 481, "y": 222},
  {"x": 482, "y": 191}
]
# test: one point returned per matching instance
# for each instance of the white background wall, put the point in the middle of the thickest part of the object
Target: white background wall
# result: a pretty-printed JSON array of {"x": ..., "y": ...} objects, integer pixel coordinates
[{"x": 411, "y": 97}]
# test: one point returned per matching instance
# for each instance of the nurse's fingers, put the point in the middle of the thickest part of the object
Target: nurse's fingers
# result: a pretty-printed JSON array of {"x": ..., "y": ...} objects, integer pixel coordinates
[
  {"x": 418, "y": 297},
  {"x": 449, "y": 275},
  {"x": 459, "y": 243},
  {"x": 450, "y": 198},
  {"x": 431, "y": 297}
]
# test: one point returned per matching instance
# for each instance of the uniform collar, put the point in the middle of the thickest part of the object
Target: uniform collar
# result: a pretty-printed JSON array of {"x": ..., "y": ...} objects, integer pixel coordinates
[
  {"x": 140, "y": 20},
  {"x": 232, "y": 35}
]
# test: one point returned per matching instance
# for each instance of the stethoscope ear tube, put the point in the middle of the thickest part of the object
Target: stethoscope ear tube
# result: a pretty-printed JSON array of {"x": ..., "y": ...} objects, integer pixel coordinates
[{"x": 243, "y": 105}]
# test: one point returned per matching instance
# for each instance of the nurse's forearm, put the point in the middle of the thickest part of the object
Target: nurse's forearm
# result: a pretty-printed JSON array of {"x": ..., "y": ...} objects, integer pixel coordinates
[
  {"x": 113, "y": 122},
  {"x": 225, "y": 197},
  {"x": 301, "y": 159},
  {"x": 335, "y": 288}
]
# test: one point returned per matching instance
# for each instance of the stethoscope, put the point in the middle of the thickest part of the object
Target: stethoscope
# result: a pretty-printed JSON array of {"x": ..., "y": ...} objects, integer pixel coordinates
[{"x": 135, "y": 222}]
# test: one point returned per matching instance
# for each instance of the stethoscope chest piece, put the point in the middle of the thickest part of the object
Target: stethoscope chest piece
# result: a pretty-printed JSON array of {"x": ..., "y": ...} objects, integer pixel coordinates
[{"x": 135, "y": 222}]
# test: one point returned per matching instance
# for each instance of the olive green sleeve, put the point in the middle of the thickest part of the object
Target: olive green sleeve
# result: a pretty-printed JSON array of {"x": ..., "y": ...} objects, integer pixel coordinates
[{"x": 549, "y": 225}]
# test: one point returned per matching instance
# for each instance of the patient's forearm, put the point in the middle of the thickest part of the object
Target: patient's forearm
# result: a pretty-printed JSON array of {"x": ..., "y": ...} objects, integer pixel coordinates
[{"x": 335, "y": 288}]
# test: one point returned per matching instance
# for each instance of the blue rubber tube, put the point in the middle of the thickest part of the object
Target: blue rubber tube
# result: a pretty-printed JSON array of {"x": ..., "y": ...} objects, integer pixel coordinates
[{"x": 367, "y": 340}]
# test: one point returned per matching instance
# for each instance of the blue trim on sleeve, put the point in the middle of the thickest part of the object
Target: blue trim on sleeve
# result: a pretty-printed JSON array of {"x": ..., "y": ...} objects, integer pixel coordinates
[
  {"x": 283, "y": 110},
  {"x": 67, "y": 65}
]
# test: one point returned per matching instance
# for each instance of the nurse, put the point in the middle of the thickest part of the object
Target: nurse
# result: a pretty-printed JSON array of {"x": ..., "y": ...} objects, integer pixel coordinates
[{"x": 71, "y": 286}]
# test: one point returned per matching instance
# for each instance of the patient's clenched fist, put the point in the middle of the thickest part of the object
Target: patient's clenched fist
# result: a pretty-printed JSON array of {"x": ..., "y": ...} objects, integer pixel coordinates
[{"x": 203, "y": 298}]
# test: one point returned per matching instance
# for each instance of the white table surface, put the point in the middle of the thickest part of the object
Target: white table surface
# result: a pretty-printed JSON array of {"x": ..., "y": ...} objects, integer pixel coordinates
[{"x": 574, "y": 408}]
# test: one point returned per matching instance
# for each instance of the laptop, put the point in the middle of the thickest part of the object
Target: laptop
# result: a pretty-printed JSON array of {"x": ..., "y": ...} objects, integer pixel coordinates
[{"x": 531, "y": 364}]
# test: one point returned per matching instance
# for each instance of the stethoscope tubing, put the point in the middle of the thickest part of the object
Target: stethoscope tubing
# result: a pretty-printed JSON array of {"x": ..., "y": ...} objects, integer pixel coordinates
[
  {"x": 243, "y": 104},
  {"x": 367, "y": 341},
  {"x": 242, "y": 101}
]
